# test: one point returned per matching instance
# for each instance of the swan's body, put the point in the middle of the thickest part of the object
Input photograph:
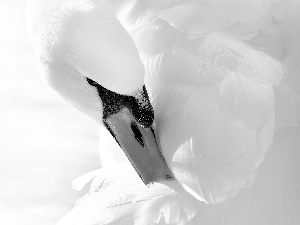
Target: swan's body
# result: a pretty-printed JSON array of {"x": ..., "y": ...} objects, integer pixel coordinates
[{"x": 217, "y": 104}]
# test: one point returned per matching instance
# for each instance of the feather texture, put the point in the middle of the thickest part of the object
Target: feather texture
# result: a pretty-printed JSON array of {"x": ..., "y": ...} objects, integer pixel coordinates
[
  {"x": 118, "y": 196},
  {"x": 222, "y": 97}
]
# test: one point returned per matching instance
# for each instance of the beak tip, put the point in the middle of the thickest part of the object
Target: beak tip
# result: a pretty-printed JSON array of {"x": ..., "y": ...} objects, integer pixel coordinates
[{"x": 149, "y": 181}]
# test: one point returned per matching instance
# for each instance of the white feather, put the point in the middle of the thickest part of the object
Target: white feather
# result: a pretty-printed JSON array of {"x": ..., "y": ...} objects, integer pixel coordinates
[{"x": 119, "y": 197}]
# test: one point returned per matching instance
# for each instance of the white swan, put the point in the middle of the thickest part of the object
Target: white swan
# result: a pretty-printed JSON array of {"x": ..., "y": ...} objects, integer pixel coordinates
[
  {"x": 215, "y": 100},
  {"x": 81, "y": 44}
]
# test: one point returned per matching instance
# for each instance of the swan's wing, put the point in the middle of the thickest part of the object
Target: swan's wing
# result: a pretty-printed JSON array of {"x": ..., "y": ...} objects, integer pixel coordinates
[
  {"x": 274, "y": 197},
  {"x": 242, "y": 18},
  {"x": 220, "y": 93},
  {"x": 281, "y": 39},
  {"x": 239, "y": 96},
  {"x": 117, "y": 196}
]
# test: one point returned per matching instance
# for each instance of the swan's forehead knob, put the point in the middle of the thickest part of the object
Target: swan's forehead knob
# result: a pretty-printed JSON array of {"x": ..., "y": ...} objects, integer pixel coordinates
[{"x": 138, "y": 104}]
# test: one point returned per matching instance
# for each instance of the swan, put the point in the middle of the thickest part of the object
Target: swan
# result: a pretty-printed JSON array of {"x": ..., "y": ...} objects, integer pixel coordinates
[
  {"x": 225, "y": 115},
  {"x": 104, "y": 79}
]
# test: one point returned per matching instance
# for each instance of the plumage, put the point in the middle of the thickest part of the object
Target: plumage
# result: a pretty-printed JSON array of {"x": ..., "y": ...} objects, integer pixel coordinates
[
  {"x": 223, "y": 80},
  {"x": 226, "y": 94},
  {"x": 112, "y": 195}
]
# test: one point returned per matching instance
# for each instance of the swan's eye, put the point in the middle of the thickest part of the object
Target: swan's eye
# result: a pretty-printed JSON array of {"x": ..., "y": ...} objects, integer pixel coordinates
[{"x": 137, "y": 134}]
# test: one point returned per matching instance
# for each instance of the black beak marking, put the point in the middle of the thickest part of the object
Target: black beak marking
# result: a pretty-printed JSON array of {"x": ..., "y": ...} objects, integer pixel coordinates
[{"x": 113, "y": 103}]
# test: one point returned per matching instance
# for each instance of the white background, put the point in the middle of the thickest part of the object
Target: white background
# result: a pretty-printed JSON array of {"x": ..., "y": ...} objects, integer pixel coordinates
[{"x": 44, "y": 143}]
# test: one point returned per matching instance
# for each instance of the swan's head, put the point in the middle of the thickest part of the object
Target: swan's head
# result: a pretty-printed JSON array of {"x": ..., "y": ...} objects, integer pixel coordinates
[
  {"x": 87, "y": 56},
  {"x": 129, "y": 119}
]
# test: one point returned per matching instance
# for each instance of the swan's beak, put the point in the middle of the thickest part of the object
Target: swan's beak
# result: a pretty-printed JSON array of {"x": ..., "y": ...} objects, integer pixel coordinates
[
  {"x": 140, "y": 146},
  {"x": 129, "y": 119}
]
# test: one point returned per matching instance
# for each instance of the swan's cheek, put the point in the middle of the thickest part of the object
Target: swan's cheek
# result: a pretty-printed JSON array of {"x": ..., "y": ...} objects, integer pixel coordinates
[{"x": 210, "y": 156}]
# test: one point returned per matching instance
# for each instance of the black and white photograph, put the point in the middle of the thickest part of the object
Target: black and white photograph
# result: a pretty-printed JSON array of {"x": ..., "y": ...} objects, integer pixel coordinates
[{"x": 150, "y": 112}]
